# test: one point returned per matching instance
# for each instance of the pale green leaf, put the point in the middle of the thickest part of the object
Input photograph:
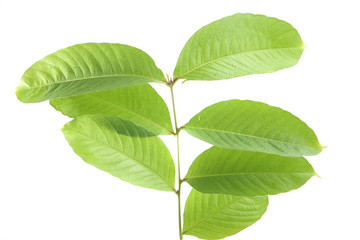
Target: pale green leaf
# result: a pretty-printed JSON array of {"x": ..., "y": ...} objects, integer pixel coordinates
[
  {"x": 243, "y": 173},
  {"x": 122, "y": 149},
  {"x": 85, "y": 68},
  {"x": 214, "y": 216},
  {"x": 139, "y": 104},
  {"x": 254, "y": 126},
  {"x": 239, "y": 45}
]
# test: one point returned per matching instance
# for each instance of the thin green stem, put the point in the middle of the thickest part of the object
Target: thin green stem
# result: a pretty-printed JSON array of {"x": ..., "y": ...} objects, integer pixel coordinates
[
  {"x": 178, "y": 192},
  {"x": 179, "y": 188},
  {"x": 173, "y": 104}
]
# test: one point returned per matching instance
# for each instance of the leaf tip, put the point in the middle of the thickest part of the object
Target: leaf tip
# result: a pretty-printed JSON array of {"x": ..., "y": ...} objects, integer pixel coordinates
[
  {"x": 324, "y": 147},
  {"x": 317, "y": 175},
  {"x": 19, "y": 95},
  {"x": 61, "y": 129},
  {"x": 65, "y": 127}
]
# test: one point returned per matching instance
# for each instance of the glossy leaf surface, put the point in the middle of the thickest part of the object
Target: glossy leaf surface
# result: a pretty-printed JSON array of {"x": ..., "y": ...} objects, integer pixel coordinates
[
  {"x": 214, "y": 216},
  {"x": 122, "y": 149},
  {"x": 254, "y": 126},
  {"x": 239, "y": 45},
  {"x": 139, "y": 104},
  {"x": 86, "y": 68},
  {"x": 243, "y": 173}
]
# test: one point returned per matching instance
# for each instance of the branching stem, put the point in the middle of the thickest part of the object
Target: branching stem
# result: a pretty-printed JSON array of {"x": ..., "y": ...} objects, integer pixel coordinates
[{"x": 178, "y": 192}]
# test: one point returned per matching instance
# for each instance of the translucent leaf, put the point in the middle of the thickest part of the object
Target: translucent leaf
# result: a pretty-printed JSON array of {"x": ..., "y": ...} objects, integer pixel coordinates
[
  {"x": 139, "y": 104},
  {"x": 243, "y": 173},
  {"x": 214, "y": 216},
  {"x": 86, "y": 68},
  {"x": 122, "y": 149},
  {"x": 239, "y": 45},
  {"x": 254, "y": 126}
]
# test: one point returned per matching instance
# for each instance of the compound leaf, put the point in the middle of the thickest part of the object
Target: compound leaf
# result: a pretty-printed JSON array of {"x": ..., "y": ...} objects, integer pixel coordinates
[
  {"x": 139, "y": 104},
  {"x": 122, "y": 149},
  {"x": 254, "y": 126},
  {"x": 239, "y": 45},
  {"x": 86, "y": 68},
  {"x": 215, "y": 216},
  {"x": 243, "y": 173}
]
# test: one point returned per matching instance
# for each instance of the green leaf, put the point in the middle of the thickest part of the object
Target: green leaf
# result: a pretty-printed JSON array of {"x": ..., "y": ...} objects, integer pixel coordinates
[
  {"x": 122, "y": 149},
  {"x": 139, "y": 104},
  {"x": 243, "y": 173},
  {"x": 213, "y": 216},
  {"x": 254, "y": 126},
  {"x": 239, "y": 45},
  {"x": 86, "y": 68}
]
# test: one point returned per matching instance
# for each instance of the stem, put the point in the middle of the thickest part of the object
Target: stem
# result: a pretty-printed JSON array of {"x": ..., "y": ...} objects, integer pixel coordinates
[
  {"x": 179, "y": 188},
  {"x": 178, "y": 161}
]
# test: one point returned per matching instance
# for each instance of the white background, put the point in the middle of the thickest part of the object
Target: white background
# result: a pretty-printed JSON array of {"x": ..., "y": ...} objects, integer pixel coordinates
[{"x": 47, "y": 192}]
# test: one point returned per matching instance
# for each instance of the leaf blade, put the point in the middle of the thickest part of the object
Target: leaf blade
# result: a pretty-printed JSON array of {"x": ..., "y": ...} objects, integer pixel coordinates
[
  {"x": 122, "y": 149},
  {"x": 254, "y": 126},
  {"x": 215, "y": 216},
  {"x": 239, "y": 45},
  {"x": 139, "y": 104},
  {"x": 85, "y": 68},
  {"x": 242, "y": 173}
]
